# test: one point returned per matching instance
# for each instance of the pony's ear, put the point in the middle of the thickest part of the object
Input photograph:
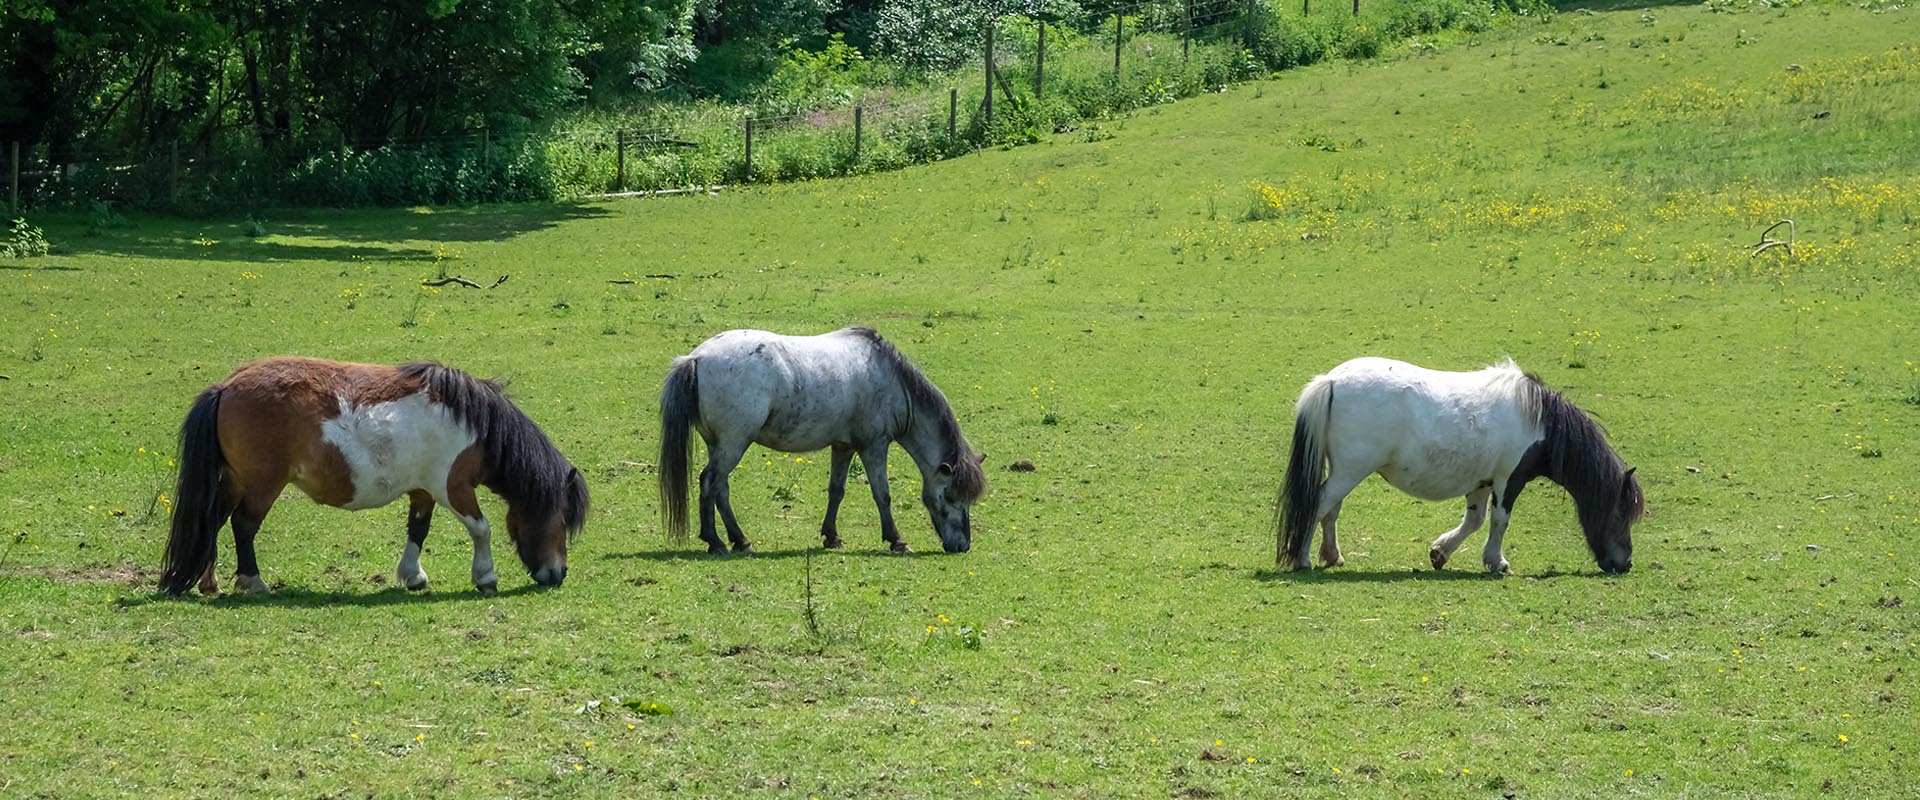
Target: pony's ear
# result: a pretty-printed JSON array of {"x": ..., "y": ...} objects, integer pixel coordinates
[
  {"x": 979, "y": 458},
  {"x": 1629, "y": 475},
  {"x": 946, "y": 469}
]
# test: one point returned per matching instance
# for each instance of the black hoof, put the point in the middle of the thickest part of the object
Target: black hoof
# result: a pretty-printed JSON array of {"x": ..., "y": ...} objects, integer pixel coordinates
[
  {"x": 716, "y": 549},
  {"x": 743, "y": 548},
  {"x": 834, "y": 543},
  {"x": 900, "y": 547}
]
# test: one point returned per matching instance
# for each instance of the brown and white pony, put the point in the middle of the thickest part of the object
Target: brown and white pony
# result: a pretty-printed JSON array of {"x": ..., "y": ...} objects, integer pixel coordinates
[{"x": 359, "y": 436}]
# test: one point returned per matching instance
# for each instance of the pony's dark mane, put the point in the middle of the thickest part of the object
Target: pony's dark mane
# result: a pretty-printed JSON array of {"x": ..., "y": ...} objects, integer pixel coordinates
[
  {"x": 1579, "y": 458},
  {"x": 969, "y": 480},
  {"x": 522, "y": 465}
]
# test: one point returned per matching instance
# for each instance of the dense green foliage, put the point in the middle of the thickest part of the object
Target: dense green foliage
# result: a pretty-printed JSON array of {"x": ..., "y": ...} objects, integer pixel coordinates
[
  {"x": 1134, "y": 315},
  {"x": 210, "y": 105}
]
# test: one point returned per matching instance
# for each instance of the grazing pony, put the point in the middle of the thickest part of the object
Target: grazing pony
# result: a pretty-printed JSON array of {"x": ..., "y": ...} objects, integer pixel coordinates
[
  {"x": 1436, "y": 435},
  {"x": 359, "y": 436},
  {"x": 848, "y": 390}
]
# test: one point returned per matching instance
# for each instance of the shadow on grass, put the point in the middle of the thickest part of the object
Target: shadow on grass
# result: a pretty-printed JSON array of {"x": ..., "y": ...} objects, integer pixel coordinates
[
  {"x": 294, "y": 597},
  {"x": 30, "y": 266},
  {"x": 696, "y": 554},
  {"x": 1345, "y": 575},
  {"x": 1621, "y": 5},
  {"x": 342, "y": 235}
]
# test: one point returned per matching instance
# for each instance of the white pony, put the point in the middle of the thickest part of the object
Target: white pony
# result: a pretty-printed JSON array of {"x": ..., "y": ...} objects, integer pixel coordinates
[
  {"x": 1434, "y": 435},
  {"x": 849, "y": 390}
]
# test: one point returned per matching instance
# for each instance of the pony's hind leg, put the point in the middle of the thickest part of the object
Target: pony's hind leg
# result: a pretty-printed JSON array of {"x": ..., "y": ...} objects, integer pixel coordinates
[
  {"x": 1443, "y": 546},
  {"x": 1330, "y": 540},
  {"x": 419, "y": 519},
  {"x": 836, "y": 489},
  {"x": 246, "y": 521},
  {"x": 1338, "y": 485},
  {"x": 722, "y": 457}
]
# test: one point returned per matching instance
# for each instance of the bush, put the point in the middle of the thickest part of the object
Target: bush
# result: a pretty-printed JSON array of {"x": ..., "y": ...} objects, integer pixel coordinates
[{"x": 23, "y": 241}]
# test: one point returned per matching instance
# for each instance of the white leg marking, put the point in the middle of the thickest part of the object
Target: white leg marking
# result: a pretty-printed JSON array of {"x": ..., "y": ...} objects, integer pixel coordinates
[
  {"x": 483, "y": 577},
  {"x": 1494, "y": 560},
  {"x": 410, "y": 574}
]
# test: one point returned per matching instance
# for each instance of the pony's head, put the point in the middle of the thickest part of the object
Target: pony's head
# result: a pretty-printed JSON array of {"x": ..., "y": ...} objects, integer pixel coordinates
[
  {"x": 948, "y": 491},
  {"x": 1609, "y": 527},
  {"x": 541, "y": 531}
]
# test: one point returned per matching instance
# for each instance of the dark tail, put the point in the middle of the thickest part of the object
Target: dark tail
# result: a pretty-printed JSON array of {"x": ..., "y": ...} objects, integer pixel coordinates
[
  {"x": 1300, "y": 494},
  {"x": 201, "y": 500},
  {"x": 679, "y": 407}
]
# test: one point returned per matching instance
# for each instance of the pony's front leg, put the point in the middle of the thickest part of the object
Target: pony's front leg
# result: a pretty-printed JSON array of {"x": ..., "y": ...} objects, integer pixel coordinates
[
  {"x": 836, "y": 489},
  {"x": 419, "y": 519},
  {"x": 875, "y": 460},
  {"x": 1443, "y": 546},
  {"x": 466, "y": 508},
  {"x": 1496, "y": 561}
]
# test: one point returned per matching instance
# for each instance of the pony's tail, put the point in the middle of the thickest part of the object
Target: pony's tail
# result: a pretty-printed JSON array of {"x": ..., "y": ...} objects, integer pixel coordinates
[
  {"x": 202, "y": 498},
  {"x": 679, "y": 407},
  {"x": 1300, "y": 493}
]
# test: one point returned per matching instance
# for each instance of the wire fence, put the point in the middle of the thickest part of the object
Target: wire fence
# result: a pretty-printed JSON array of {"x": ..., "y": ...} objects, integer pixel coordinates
[{"x": 1031, "y": 77}]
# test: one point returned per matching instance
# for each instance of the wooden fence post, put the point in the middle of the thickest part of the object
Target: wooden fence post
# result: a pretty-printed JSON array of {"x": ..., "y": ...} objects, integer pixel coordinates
[
  {"x": 1040, "y": 60},
  {"x": 857, "y": 114},
  {"x": 1186, "y": 34},
  {"x": 748, "y": 177},
  {"x": 620, "y": 160},
  {"x": 953, "y": 109},
  {"x": 989, "y": 81},
  {"x": 1116, "y": 45}
]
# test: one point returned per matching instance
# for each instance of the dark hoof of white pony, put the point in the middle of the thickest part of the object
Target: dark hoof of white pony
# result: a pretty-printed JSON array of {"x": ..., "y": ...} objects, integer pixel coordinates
[
  {"x": 418, "y": 586},
  {"x": 900, "y": 547},
  {"x": 1438, "y": 558},
  {"x": 488, "y": 589}
]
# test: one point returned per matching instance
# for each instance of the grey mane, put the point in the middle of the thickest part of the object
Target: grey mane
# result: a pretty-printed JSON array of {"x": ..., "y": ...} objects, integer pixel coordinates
[{"x": 969, "y": 481}]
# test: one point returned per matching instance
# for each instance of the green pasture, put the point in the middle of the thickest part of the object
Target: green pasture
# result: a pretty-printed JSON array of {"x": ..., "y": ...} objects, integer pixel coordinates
[{"x": 1132, "y": 308}]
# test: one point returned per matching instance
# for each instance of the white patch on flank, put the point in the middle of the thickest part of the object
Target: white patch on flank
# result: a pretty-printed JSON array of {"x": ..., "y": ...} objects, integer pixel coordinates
[{"x": 396, "y": 447}]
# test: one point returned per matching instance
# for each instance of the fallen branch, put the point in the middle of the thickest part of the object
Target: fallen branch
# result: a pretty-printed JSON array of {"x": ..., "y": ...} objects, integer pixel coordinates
[
  {"x": 1767, "y": 242},
  {"x": 464, "y": 282},
  {"x": 631, "y": 281}
]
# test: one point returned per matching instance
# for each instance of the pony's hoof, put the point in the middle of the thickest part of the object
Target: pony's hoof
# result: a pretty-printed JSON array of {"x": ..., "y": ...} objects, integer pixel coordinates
[
  {"x": 716, "y": 549},
  {"x": 209, "y": 588},
  {"x": 1497, "y": 568},
  {"x": 487, "y": 589},
  {"x": 419, "y": 585},
  {"x": 1438, "y": 558},
  {"x": 834, "y": 543},
  {"x": 900, "y": 547},
  {"x": 743, "y": 548},
  {"x": 251, "y": 584},
  {"x": 1336, "y": 561}
]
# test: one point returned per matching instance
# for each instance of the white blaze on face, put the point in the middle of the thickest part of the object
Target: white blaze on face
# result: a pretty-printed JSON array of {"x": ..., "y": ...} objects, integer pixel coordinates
[{"x": 396, "y": 447}]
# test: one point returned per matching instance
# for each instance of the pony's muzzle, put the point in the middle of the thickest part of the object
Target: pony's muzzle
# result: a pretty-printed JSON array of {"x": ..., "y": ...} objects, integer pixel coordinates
[
  {"x": 1616, "y": 567},
  {"x": 550, "y": 575}
]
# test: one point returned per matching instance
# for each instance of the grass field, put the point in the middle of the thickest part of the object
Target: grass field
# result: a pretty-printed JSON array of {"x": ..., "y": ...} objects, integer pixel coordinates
[{"x": 1134, "y": 314}]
